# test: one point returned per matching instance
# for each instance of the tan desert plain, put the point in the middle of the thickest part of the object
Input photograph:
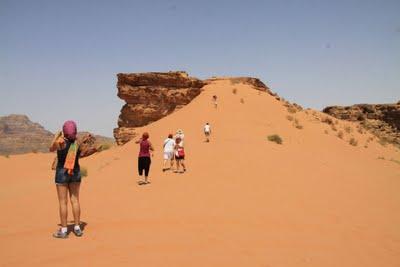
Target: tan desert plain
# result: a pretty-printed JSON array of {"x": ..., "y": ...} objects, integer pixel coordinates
[{"x": 314, "y": 200}]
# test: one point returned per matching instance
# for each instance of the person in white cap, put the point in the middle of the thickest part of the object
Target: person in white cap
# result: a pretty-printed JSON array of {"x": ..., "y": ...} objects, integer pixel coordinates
[{"x": 180, "y": 134}]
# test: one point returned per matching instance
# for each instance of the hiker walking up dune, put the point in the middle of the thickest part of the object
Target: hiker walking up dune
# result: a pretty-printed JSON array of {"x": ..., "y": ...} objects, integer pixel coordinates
[
  {"x": 207, "y": 132},
  {"x": 180, "y": 134},
  {"x": 214, "y": 98},
  {"x": 179, "y": 155},
  {"x": 169, "y": 146},
  {"x": 144, "y": 160},
  {"x": 67, "y": 176}
]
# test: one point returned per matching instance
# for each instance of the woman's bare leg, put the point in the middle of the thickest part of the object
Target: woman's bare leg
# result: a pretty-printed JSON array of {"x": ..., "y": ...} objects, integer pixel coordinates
[
  {"x": 183, "y": 164},
  {"x": 164, "y": 164},
  {"x": 62, "y": 192},
  {"x": 74, "y": 197}
]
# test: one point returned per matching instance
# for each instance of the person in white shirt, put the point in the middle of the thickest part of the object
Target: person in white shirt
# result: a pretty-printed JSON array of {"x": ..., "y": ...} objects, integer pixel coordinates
[
  {"x": 207, "y": 131},
  {"x": 169, "y": 146}
]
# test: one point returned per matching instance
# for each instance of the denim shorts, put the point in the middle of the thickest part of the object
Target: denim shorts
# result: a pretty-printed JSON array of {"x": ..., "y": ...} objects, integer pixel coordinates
[{"x": 62, "y": 177}]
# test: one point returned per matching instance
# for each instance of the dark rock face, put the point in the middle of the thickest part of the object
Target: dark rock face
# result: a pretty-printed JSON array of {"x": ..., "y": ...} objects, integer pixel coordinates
[
  {"x": 150, "y": 97},
  {"x": 19, "y": 135},
  {"x": 382, "y": 119}
]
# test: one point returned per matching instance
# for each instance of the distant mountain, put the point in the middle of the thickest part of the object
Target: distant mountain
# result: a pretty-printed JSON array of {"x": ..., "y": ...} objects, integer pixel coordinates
[{"x": 18, "y": 135}]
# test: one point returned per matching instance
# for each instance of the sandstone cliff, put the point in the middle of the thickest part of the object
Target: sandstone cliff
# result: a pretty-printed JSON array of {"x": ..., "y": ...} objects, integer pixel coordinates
[
  {"x": 382, "y": 119},
  {"x": 150, "y": 97}
]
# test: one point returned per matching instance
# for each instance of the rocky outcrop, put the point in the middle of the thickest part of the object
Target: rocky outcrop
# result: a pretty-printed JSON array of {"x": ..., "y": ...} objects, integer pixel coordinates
[
  {"x": 150, "y": 97},
  {"x": 123, "y": 135},
  {"x": 20, "y": 135},
  {"x": 382, "y": 119},
  {"x": 90, "y": 143}
]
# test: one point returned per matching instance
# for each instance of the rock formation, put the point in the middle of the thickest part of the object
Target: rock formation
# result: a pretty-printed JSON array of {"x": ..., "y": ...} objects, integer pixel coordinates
[
  {"x": 382, "y": 119},
  {"x": 90, "y": 144},
  {"x": 19, "y": 135},
  {"x": 150, "y": 97}
]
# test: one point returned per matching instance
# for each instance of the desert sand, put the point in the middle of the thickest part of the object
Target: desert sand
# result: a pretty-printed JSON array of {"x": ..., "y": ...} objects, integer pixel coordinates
[{"x": 315, "y": 200}]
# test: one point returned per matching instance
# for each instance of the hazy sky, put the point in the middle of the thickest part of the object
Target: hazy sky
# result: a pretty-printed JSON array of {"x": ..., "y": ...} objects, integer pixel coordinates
[{"x": 59, "y": 59}]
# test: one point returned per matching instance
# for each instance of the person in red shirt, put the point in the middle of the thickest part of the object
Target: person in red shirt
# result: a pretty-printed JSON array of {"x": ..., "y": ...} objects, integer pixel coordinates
[{"x": 144, "y": 159}]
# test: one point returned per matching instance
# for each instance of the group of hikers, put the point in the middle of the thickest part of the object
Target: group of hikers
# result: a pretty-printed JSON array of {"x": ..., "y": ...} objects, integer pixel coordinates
[
  {"x": 173, "y": 151},
  {"x": 68, "y": 174}
]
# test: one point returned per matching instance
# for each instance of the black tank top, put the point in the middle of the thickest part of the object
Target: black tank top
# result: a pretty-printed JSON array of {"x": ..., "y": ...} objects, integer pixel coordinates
[{"x": 62, "y": 155}]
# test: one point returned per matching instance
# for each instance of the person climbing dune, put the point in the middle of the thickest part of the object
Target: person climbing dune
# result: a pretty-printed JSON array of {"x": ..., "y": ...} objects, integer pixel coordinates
[
  {"x": 67, "y": 176},
  {"x": 169, "y": 145},
  {"x": 214, "y": 98},
  {"x": 144, "y": 159},
  {"x": 207, "y": 132},
  {"x": 181, "y": 135},
  {"x": 179, "y": 155}
]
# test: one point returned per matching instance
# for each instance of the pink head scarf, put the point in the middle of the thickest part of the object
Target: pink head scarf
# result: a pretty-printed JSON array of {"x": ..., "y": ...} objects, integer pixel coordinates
[{"x": 69, "y": 130}]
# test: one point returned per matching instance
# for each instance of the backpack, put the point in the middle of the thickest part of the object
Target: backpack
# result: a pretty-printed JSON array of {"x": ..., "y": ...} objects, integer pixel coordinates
[{"x": 180, "y": 152}]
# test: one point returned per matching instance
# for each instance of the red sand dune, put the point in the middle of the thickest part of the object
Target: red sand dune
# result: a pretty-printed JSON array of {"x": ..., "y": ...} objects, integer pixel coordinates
[{"x": 315, "y": 200}]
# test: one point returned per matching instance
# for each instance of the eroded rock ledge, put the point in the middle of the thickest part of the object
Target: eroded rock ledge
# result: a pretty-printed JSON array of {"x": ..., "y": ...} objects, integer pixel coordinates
[
  {"x": 381, "y": 119},
  {"x": 150, "y": 97}
]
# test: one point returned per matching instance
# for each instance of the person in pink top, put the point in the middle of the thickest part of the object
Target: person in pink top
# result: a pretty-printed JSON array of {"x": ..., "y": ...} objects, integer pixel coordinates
[{"x": 144, "y": 159}]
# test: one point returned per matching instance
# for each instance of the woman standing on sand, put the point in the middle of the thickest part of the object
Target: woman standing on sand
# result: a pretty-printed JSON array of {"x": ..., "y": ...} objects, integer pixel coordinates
[
  {"x": 67, "y": 176},
  {"x": 144, "y": 160},
  {"x": 179, "y": 155}
]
